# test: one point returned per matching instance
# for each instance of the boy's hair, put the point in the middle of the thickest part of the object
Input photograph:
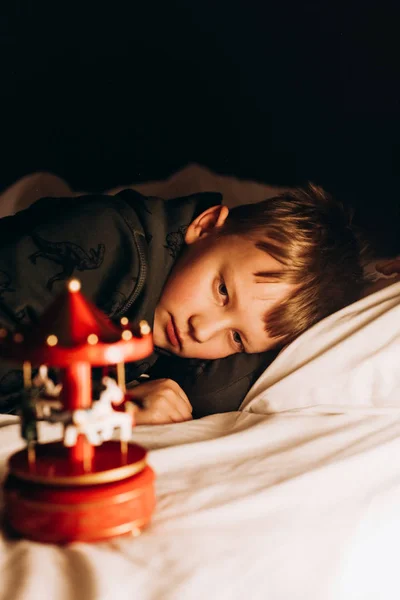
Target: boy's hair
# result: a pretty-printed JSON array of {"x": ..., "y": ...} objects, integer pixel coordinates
[{"x": 309, "y": 233}]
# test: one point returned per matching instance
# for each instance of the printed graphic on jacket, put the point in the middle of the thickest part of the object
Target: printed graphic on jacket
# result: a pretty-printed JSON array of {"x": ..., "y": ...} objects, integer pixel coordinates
[
  {"x": 20, "y": 316},
  {"x": 5, "y": 282},
  {"x": 68, "y": 255},
  {"x": 175, "y": 241}
]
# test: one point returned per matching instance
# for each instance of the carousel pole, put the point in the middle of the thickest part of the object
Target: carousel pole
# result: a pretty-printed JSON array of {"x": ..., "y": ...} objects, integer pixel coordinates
[
  {"x": 27, "y": 377},
  {"x": 122, "y": 384},
  {"x": 77, "y": 394}
]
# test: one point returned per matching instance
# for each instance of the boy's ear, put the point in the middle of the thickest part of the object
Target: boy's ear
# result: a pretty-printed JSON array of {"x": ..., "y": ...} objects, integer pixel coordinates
[{"x": 206, "y": 222}]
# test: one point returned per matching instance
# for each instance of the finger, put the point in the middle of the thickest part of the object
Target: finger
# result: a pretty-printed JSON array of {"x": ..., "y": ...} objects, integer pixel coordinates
[
  {"x": 181, "y": 412},
  {"x": 150, "y": 416},
  {"x": 166, "y": 409},
  {"x": 158, "y": 386},
  {"x": 186, "y": 401},
  {"x": 175, "y": 387},
  {"x": 176, "y": 417},
  {"x": 179, "y": 402},
  {"x": 158, "y": 417}
]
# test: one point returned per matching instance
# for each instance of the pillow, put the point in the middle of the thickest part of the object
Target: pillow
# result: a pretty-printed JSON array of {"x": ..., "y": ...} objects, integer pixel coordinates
[
  {"x": 351, "y": 359},
  {"x": 191, "y": 179}
]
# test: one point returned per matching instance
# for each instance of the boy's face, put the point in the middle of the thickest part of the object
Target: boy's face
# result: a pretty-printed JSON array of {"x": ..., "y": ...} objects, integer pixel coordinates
[{"x": 212, "y": 305}]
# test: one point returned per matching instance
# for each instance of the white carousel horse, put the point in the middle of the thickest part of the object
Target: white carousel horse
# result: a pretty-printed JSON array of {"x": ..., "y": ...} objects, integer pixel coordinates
[
  {"x": 99, "y": 422},
  {"x": 48, "y": 402}
]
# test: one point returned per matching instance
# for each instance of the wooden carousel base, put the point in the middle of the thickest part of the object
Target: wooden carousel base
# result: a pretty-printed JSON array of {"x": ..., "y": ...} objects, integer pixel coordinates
[
  {"x": 64, "y": 506},
  {"x": 52, "y": 464}
]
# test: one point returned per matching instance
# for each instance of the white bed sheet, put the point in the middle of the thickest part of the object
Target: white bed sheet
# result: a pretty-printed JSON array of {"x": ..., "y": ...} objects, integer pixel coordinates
[
  {"x": 284, "y": 507},
  {"x": 296, "y": 497}
]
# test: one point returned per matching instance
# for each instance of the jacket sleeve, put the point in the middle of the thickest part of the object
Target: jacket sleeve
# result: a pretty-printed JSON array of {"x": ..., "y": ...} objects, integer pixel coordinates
[
  {"x": 222, "y": 385},
  {"x": 52, "y": 241}
]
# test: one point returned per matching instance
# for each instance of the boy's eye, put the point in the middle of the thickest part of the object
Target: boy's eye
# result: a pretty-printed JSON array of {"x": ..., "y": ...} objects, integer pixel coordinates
[
  {"x": 238, "y": 340},
  {"x": 222, "y": 289}
]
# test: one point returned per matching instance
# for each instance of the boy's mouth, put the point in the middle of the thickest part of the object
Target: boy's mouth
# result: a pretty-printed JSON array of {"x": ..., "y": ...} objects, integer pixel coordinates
[{"x": 173, "y": 334}]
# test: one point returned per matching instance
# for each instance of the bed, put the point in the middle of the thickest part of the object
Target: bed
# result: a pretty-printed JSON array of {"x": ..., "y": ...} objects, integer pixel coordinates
[{"x": 295, "y": 496}]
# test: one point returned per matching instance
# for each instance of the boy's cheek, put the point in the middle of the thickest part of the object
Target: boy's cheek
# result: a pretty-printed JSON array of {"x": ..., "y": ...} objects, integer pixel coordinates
[
  {"x": 209, "y": 353},
  {"x": 182, "y": 297}
]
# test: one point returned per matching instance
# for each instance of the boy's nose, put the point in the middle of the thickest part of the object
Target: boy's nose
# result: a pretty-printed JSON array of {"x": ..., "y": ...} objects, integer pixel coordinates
[{"x": 205, "y": 327}]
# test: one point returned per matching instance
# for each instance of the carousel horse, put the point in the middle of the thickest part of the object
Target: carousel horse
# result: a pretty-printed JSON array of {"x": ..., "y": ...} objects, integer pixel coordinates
[
  {"x": 99, "y": 422},
  {"x": 47, "y": 401}
]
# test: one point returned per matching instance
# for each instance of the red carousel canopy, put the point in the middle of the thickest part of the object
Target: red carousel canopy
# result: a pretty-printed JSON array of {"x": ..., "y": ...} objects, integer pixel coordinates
[{"x": 73, "y": 329}]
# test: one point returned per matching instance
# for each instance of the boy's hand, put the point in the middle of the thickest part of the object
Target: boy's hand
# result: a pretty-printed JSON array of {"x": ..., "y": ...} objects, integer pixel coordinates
[{"x": 164, "y": 402}]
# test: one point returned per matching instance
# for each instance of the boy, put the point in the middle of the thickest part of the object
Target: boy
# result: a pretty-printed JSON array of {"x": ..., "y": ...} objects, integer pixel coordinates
[{"x": 222, "y": 290}]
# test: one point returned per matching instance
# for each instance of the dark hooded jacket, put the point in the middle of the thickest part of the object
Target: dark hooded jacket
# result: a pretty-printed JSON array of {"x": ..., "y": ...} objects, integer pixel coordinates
[{"x": 122, "y": 248}]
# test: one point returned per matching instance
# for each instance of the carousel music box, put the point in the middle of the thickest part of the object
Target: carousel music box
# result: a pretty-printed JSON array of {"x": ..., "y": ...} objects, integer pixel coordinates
[{"x": 92, "y": 484}]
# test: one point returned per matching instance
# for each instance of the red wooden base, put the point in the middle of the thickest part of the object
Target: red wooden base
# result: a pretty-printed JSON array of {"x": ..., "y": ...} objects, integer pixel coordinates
[
  {"x": 60, "y": 511},
  {"x": 52, "y": 464}
]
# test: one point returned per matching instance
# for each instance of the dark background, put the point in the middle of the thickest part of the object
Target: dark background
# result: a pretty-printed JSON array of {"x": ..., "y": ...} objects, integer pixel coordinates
[{"x": 280, "y": 92}]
